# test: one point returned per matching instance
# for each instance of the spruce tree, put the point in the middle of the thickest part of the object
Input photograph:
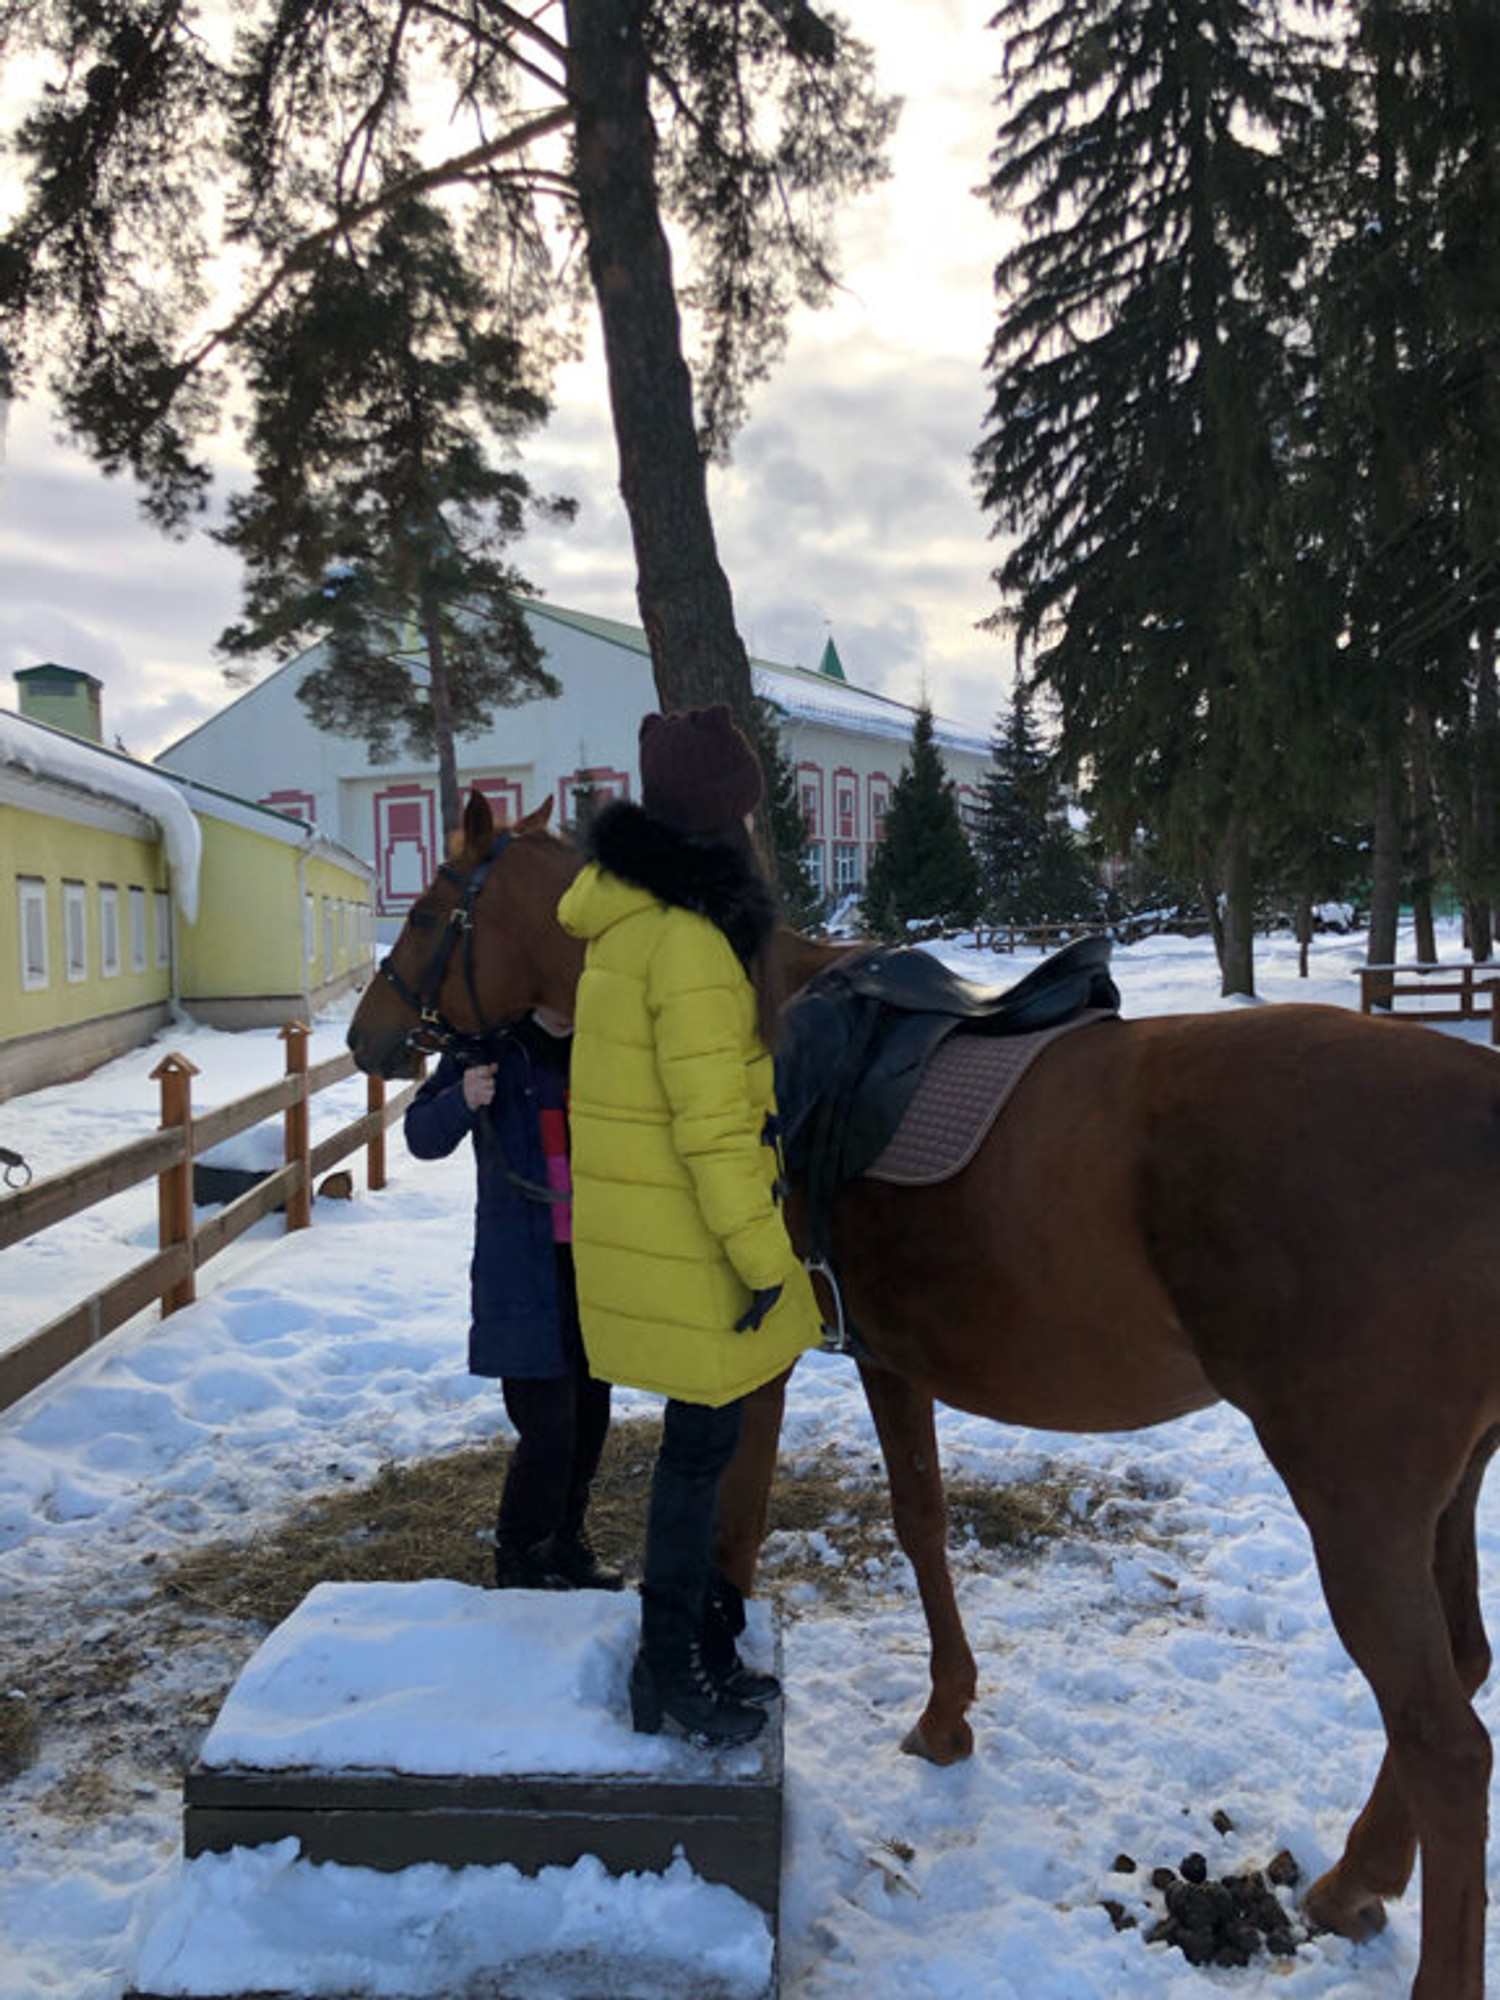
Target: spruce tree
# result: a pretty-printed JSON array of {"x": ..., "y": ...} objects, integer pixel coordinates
[
  {"x": 1406, "y": 497},
  {"x": 924, "y": 871},
  {"x": 1147, "y": 370},
  {"x": 803, "y": 905},
  {"x": 1033, "y": 870},
  {"x": 379, "y": 516}
]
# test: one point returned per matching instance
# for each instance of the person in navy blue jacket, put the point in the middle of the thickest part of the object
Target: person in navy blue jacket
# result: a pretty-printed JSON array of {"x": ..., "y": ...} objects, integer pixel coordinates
[{"x": 524, "y": 1299}]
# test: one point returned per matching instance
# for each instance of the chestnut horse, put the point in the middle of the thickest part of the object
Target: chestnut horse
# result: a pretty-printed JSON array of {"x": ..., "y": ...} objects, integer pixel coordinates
[{"x": 1293, "y": 1208}]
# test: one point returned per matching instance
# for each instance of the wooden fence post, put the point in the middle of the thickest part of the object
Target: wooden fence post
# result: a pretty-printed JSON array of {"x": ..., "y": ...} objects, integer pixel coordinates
[
  {"x": 299, "y": 1200},
  {"x": 174, "y": 1186},
  {"x": 375, "y": 1151}
]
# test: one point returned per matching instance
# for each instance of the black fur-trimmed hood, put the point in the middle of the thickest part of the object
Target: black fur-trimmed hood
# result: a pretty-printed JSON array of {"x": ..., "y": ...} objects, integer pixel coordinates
[{"x": 709, "y": 877}]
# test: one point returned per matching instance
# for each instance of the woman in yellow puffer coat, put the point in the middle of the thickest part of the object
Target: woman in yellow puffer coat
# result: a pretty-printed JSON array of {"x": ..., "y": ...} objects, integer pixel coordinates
[{"x": 687, "y": 1280}]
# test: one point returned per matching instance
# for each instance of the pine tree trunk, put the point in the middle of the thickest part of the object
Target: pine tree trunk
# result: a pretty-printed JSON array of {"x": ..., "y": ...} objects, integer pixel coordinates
[
  {"x": 450, "y": 806},
  {"x": 1303, "y": 926},
  {"x": 1385, "y": 865},
  {"x": 683, "y": 593},
  {"x": 1424, "y": 840},
  {"x": 1237, "y": 965},
  {"x": 1388, "y": 399},
  {"x": 1484, "y": 859}
]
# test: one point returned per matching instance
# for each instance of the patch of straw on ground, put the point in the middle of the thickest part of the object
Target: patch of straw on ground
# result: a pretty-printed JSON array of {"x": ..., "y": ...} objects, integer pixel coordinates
[
  {"x": 430, "y": 1519},
  {"x": 130, "y": 1694}
]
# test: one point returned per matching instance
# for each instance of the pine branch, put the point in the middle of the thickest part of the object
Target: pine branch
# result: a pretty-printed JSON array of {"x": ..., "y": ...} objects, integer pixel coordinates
[
  {"x": 446, "y": 173},
  {"x": 807, "y": 33}
]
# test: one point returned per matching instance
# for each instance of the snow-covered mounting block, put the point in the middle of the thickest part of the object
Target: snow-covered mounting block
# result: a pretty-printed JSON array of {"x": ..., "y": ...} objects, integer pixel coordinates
[{"x": 461, "y": 1763}]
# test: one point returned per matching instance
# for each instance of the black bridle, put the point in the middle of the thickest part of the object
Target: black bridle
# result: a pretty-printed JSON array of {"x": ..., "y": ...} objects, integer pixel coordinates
[{"x": 432, "y": 1032}]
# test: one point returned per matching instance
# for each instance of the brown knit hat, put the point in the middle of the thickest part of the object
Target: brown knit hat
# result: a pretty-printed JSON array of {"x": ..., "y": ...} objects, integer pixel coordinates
[{"x": 699, "y": 772}]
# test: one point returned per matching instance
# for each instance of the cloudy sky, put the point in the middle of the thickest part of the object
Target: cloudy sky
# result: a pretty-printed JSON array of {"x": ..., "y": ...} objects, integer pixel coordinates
[{"x": 848, "y": 509}]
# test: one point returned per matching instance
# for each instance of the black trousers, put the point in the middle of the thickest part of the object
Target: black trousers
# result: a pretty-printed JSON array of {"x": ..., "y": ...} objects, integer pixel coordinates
[
  {"x": 561, "y": 1422},
  {"x": 696, "y": 1445}
]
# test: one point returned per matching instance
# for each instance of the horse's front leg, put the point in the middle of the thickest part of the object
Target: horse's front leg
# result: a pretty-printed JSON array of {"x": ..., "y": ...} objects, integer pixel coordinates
[
  {"x": 745, "y": 1486},
  {"x": 908, "y": 1439}
]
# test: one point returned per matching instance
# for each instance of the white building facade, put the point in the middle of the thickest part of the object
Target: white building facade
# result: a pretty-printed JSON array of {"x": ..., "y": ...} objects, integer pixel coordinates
[{"x": 846, "y": 745}]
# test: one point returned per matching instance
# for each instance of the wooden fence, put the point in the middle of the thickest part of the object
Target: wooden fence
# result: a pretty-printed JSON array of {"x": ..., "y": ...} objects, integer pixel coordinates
[
  {"x": 168, "y": 1154},
  {"x": 1028, "y": 937},
  {"x": 1471, "y": 992}
]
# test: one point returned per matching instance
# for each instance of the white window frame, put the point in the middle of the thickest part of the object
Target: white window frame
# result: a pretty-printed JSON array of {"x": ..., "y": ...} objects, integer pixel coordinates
[
  {"x": 31, "y": 912},
  {"x": 137, "y": 904},
  {"x": 163, "y": 905},
  {"x": 109, "y": 931},
  {"x": 75, "y": 932},
  {"x": 845, "y": 867}
]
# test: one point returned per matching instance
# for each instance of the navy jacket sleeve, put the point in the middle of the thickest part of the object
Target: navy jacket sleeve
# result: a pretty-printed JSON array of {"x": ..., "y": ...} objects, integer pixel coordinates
[{"x": 437, "y": 1119}]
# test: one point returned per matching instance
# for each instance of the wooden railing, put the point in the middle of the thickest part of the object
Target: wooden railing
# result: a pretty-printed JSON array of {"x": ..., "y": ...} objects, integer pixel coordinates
[
  {"x": 168, "y": 1154},
  {"x": 1473, "y": 991},
  {"x": 1029, "y": 937}
]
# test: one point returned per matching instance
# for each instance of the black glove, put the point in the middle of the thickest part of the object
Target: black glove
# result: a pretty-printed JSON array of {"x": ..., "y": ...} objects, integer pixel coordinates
[{"x": 760, "y": 1304}]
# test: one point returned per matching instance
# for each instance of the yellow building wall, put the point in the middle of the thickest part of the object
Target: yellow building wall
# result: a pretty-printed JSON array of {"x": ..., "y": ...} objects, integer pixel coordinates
[
  {"x": 246, "y": 939},
  {"x": 342, "y": 908},
  {"x": 40, "y": 847},
  {"x": 271, "y": 919}
]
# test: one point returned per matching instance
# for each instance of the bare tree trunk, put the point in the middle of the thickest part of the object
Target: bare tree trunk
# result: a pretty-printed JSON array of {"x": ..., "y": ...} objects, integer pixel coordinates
[
  {"x": 1237, "y": 965},
  {"x": 450, "y": 806},
  {"x": 1385, "y": 866},
  {"x": 682, "y": 591},
  {"x": 1302, "y": 923},
  {"x": 1424, "y": 839},
  {"x": 1484, "y": 815}
]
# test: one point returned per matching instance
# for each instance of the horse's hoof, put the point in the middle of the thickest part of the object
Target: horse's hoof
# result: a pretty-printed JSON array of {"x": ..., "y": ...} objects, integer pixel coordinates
[
  {"x": 939, "y": 1746},
  {"x": 1354, "y": 1914}
]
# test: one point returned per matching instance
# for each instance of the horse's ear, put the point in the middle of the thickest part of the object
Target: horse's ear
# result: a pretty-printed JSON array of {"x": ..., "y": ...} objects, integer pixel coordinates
[
  {"x": 479, "y": 822},
  {"x": 537, "y": 818}
]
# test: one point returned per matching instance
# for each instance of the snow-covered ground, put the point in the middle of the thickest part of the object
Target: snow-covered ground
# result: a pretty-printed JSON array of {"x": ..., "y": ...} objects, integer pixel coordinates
[{"x": 1133, "y": 1686}]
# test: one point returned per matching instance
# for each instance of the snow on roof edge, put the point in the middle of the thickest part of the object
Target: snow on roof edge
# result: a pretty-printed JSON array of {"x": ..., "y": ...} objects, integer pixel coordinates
[{"x": 69, "y": 760}]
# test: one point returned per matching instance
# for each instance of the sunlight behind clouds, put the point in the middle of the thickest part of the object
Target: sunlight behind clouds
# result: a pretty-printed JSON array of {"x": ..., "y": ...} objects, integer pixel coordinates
[{"x": 847, "y": 509}]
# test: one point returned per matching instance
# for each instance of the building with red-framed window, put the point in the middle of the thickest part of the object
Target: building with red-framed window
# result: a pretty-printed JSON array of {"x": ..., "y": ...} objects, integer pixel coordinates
[{"x": 846, "y": 744}]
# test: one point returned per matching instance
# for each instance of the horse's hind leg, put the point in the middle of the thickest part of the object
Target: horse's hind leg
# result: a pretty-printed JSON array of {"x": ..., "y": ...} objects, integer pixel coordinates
[
  {"x": 745, "y": 1487},
  {"x": 908, "y": 1441},
  {"x": 1407, "y": 1608}
]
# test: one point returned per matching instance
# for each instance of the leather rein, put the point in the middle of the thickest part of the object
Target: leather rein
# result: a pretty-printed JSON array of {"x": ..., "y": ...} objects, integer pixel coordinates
[{"x": 434, "y": 1034}]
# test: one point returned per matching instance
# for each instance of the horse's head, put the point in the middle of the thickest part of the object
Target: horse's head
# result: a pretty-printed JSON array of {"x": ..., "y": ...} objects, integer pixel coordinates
[{"x": 481, "y": 946}]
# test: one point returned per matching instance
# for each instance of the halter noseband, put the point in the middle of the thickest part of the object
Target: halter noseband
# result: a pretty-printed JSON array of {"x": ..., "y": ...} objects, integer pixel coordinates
[{"x": 432, "y": 1032}]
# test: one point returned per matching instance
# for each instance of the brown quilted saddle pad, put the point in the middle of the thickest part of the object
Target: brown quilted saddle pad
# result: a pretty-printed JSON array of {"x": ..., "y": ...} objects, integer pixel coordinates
[{"x": 963, "y": 1091}]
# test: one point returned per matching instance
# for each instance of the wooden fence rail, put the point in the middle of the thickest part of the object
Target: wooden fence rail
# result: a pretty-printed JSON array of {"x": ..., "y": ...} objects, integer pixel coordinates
[
  {"x": 1470, "y": 991},
  {"x": 1029, "y": 937},
  {"x": 168, "y": 1154}
]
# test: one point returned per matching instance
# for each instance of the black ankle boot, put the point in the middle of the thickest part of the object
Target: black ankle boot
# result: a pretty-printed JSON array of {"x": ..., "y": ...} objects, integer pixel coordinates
[
  {"x": 513, "y": 1570},
  {"x": 723, "y": 1622},
  {"x": 566, "y": 1562},
  {"x": 683, "y": 1697}
]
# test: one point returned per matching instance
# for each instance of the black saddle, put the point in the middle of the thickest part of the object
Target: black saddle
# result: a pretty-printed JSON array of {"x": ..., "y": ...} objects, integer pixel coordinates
[{"x": 855, "y": 1041}]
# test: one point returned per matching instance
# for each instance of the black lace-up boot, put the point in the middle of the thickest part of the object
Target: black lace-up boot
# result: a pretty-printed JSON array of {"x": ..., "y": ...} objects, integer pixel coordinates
[
  {"x": 670, "y": 1688},
  {"x": 567, "y": 1562},
  {"x": 723, "y": 1622}
]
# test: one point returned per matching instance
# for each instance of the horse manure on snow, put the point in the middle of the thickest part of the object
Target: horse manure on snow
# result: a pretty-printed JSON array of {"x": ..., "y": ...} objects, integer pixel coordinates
[{"x": 1224, "y": 1920}]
